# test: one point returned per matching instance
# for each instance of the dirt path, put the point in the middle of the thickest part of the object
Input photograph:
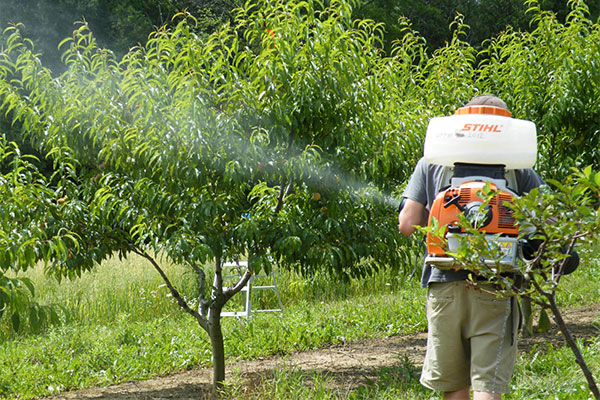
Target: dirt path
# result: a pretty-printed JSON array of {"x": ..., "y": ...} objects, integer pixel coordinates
[{"x": 348, "y": 365}]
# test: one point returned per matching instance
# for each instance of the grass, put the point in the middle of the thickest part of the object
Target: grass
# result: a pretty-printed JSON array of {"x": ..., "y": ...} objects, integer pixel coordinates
[
  {"x": 551, "y": 373},
  {"x": 116, "y": 287},
  {"x": 119, "y": 324},
  {"x": 544, "y": 374}
]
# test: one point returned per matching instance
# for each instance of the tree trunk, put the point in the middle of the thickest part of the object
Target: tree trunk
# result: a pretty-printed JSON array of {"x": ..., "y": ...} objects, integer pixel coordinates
[
  {"x": 526, "y": 309},
  {"x": 215, "y": 330},
  {"x": 218, "y": 353}
]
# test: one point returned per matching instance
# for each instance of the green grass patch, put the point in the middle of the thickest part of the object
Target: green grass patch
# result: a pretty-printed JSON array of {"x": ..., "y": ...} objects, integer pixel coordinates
[
  {"x": 544, "y": 374},
  {"x": 581, "y": 288},
  {"x": 120, "y": 324},
  {"x": 548, "y": 372},
  {"x": 78, "y": 356}
]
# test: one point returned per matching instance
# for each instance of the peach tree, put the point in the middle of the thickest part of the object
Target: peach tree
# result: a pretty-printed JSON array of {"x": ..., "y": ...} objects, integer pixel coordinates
[
  {"x": 266, "y": 141},
  {"x": 28, "y": 208},
  {"x": 282, "y": 137}
]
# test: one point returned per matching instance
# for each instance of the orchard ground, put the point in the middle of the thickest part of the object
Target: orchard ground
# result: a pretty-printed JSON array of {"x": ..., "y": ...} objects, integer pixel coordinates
[{"x": 345, "y": 367}]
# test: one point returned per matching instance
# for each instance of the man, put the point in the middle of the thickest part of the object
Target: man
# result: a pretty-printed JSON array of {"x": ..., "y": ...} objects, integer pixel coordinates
[{"x": 470, "y": 341}]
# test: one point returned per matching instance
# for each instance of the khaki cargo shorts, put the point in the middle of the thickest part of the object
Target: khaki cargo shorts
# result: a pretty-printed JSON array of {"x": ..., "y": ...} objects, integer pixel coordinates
[{"x": 471, "y": 339}]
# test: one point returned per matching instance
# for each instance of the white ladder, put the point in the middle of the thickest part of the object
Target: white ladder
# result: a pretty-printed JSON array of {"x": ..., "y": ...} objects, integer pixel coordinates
[{"x": 246, "y": 291}]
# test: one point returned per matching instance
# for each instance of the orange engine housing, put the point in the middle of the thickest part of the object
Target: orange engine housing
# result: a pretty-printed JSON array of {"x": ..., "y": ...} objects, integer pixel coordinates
[{"x": 451, "y": 202}]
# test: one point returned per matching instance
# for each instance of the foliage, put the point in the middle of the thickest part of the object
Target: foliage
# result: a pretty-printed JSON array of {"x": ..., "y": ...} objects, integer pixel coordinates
[
  {"x": 28, "y": 215},
  {"x": 284, "y": 136},
  {"x": 256, "y": 141},
  {"x": 485, "y": 18},
  {"x": 552, "y": 76},
  {"x": 145, "y": 147},
  {"x": 119, "y": 25}
]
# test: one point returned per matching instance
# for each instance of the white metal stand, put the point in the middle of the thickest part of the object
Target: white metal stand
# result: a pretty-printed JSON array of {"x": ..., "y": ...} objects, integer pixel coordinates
[{"x": 238, "y": 267}]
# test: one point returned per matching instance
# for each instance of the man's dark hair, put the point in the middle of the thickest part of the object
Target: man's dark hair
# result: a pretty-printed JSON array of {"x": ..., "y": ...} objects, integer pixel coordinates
[{"x": 487, "y": 100}]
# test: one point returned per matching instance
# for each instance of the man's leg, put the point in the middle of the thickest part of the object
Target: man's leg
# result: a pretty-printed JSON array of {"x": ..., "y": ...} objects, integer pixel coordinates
[
  {"x": 460, "y": 394},
  {"x": 486, "y": 396},
  {"x": 446, "y": 365},
  {"x": 463, "y": 394},
  {"x": 492, "y": 330}
]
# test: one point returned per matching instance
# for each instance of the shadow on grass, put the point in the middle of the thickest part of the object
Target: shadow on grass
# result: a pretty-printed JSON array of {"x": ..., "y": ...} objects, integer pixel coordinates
[
  {"x": 581, "y": 322},
  {"x": 333, "y": 376},
  {"x": 134, "y": 391}
]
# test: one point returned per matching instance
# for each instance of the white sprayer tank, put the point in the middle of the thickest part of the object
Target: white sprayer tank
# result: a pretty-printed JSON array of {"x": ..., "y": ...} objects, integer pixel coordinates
[{"x": 481, "y": 135}]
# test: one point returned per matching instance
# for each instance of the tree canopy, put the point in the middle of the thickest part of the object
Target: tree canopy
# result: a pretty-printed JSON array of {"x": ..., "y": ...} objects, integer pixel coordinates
[
  {"x": 120, "y": 25},
  {"x": 283, "y": 106},
  {"x": 285, "y": 136}
]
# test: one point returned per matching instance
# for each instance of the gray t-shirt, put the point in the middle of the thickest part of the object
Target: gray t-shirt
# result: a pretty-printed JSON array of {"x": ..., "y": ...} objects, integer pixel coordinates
[{"x": 426, "y": 182}]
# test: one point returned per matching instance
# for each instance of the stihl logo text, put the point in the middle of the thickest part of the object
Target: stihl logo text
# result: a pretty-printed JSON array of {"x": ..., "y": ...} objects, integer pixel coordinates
[{"x": 482, "y": 128}]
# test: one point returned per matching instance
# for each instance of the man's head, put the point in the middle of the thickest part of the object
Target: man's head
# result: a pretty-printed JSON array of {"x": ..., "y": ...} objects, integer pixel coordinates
[{"x": 487, "y": 100}]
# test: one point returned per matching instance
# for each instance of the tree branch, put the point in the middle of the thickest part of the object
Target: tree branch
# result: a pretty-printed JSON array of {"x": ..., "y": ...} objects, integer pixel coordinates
[
  {"x": 218, "y": 282},
  {"x": 217, "y": 298},
  {"x": 568, "y": 250},
  {"x": 282, "y": 193},
  {"x": 573, "y": 345},
  {"x": 174, "y": 292},
  {"x": 229, "y": 292},
  {"x": 203, "y": 303}
]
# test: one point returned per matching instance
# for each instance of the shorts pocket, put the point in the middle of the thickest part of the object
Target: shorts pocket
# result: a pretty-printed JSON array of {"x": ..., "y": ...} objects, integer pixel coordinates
[
  {"x": 442, "y": 291},
  {"x": 440, "y": 297}
]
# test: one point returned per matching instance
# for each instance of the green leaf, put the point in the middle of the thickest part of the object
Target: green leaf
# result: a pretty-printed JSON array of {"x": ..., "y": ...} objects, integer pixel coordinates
[
  {"x": 16, "y": 321},
  {"x": 34, "y": 318},
  {"x": 29, "y": 285},
  {"x": 543, "y": 321},
  {"x": 54, "y": 318}
]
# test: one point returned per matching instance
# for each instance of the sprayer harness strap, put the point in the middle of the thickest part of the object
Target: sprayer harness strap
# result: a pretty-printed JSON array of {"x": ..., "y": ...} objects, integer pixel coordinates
[{"x": 509, "y": 175}]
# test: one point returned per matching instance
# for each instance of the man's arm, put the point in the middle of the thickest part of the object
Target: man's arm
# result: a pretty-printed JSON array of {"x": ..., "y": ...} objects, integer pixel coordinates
[{"x": 412, "y": 213}]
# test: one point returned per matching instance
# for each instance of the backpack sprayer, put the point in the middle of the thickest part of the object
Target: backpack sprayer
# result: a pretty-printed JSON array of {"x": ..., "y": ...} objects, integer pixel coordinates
[{"x": 479, "y": 143}]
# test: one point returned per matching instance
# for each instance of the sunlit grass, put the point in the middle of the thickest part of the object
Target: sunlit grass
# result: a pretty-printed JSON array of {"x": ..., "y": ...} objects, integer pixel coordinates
[
  {"x": 581, "y": 288},
  {"x": 120, "y": 323},
  {"x": 115, "y": 288},
  {"x": 76, "y": 356},
  {"x": 132, "y": 287},
  {"x": 544, "y": 374},
  {"x": 551, "y": 373}
]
